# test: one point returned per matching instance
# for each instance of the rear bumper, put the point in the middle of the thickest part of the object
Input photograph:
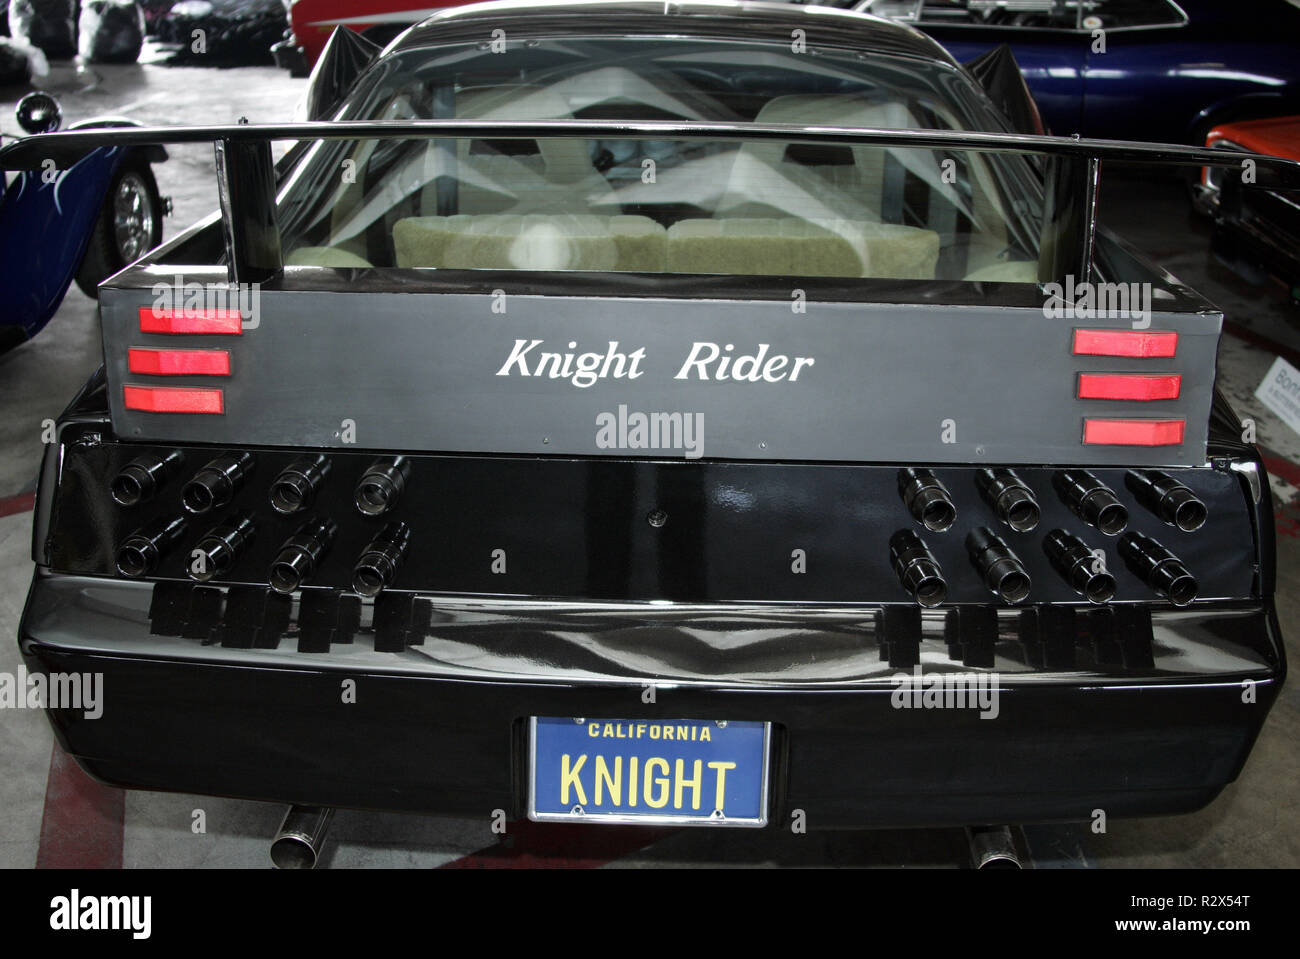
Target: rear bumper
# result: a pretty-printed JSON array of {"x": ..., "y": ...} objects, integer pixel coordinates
[{"x": 1134, "y": 710}]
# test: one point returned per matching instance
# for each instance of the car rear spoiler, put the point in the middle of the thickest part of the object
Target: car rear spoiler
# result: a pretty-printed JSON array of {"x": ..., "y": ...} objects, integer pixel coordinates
[{"x": 247, "y": 185}]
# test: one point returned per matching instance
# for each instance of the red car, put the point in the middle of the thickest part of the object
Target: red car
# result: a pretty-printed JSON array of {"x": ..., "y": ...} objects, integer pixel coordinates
[
  {"x": 1258, "y": 231},
  {"x": 312, "y": 21}
]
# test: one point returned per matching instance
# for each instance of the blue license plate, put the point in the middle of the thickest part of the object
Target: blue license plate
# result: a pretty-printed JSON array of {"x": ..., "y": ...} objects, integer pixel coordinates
[{"x": 690, "y": 772}]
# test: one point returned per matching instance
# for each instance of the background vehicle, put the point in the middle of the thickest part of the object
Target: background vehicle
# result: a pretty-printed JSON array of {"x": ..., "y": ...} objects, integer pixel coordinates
[
  {"x": 92, "y": 219},
  {"x": 1168, "y": 71},
  {"x": 1255, "y": 229},
  {"x": 504, "y": 264},
  {"x": 233, "y": 31},
  {"x": 312, "y": 21}
]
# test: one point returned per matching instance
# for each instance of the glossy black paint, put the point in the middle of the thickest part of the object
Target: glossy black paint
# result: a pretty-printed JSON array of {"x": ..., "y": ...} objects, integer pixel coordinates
[
  {"x": 998, "y": 565},
  {"x": 1074, "y": 560},
  {"x": 294, "y": 490},
  {"x": 382, "y": 558},
  {"x": 1004, "y": 82},
  {"x": 1167, "y": 498},
  {"x": 848, "y": 758},
  {"x": 300, "y": 554},
  {"x": 1010, "y": 498},
  {"x": 927, "y": 499},
  {"x": 217, "y": 482},
  {"x": 1158, "y": 567},
  {"x": 142, "y": 478},
  {"x": 1069, "y": 218},
  {"x": 916, "y": 568},
  {"x": 139, "y": 553},
  {"x": 221, "y": 547},
  {"x": 1091, "y": 500},
  {"x": 577, "y": 528},
  {"x": 346, "y": 56},
  {"x": 380, "y": 487},
  {"x": 246, "y": 187}
]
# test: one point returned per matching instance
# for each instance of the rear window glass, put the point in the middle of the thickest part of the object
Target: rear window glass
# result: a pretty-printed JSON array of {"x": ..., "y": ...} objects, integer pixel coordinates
[{"x": 763, "y": 208}]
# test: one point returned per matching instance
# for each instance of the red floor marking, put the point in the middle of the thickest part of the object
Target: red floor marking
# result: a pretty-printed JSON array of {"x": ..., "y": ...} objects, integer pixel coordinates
[
  {"x": 1286, "y": 518},
  {"x": 17, "y": 504},
  {"x": 82, "y": 825},
  {"x": 532, "y": 845},
  {"x": 1282, "y": 468}
]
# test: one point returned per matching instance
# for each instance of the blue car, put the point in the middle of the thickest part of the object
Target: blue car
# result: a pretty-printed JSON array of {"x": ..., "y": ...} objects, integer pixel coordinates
[
  {"x": 80, "y": 225},
  {"x": 1128, "y": 69}
]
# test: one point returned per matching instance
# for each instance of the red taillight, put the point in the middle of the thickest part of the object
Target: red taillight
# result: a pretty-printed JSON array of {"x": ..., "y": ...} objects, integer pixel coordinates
[
  {"x": 1099, "y": 432},
  {"x": 1134, "y": 343},
  {"x": 1129, "y": 386},
  {"x": 179, "y": 362},
  {"x": 153, "y": 320},
  {"x": 172, "y": 399}
]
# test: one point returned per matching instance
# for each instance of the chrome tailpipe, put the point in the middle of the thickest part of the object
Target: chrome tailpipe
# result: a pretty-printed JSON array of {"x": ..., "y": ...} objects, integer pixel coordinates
[
  {"x": 298, "y": 842},
  {"x": 992, "y": 847}
]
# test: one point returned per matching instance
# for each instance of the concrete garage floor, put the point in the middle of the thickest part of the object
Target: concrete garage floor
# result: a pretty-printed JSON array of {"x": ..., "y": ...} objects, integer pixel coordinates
[{"x": 1253, "y": 823}]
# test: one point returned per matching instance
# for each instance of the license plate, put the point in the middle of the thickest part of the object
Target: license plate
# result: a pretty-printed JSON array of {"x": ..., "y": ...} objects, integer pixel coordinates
[{"x": 687, "y": 772}]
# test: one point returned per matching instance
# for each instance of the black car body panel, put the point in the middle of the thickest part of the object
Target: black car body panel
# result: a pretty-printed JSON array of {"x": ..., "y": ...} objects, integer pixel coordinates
[
  {"x": 575, "y": 527},
  {"x": 419, "y": 742}
]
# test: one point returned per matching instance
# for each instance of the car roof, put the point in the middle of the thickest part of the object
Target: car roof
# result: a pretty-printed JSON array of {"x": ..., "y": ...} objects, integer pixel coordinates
[{"x": 728, "y": 20}]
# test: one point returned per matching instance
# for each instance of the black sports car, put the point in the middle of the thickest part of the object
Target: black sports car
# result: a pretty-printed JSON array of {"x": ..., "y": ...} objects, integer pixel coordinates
[{"x": 626, "y": 412}]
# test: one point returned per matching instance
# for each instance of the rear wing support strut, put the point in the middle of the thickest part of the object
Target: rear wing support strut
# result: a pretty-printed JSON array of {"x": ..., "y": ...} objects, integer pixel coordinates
[
  {"x": 1069, "y": 219},
  {"x": 246, "y": 187}
]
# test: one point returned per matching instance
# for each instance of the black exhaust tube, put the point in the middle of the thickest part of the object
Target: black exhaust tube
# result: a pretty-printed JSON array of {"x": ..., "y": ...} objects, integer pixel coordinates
[
  {"x": 381, "y": 485},
  {"x": 1008, "y": 497},
  {"x": 1174, "y": 503},
  {"x": 220, "y": 547},
  {"x": 1158, "y": 568},
  {"x": 1091, "y": 500},
  {"x": 301, "y": 553},
  {"x": 917, "y": 569},
  {"x": 216, "y": 484},
  {"x": 998, "y": 566},
  {"x": 927, "y": 499},
  {"x": 294, "y": 490},
  {"x": 1075, "y": 561},
  {"x": 141, "y": 479},
  {"x": 378, "y": 565},
  {"x": 139, "y": 553}
]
